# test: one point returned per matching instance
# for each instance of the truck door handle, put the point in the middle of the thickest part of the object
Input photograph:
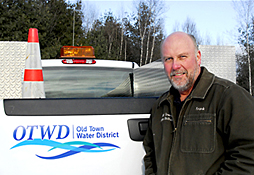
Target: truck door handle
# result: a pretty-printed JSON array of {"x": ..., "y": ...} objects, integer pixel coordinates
[
  {"x": 137, "y": 128},
  {"x": 143, "y": 127}
]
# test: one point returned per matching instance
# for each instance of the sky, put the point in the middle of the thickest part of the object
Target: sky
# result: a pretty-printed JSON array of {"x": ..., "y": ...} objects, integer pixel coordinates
[{"x": 214, "y": 19}]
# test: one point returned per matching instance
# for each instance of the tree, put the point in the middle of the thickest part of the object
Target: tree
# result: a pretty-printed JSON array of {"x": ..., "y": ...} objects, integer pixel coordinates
[
  {"x": 207, "y": 39},
  {"x": 90, "y": 15},
  {"x": 130, "y": 37},
  {"x": 144, "y": 15},
  {"x": 189, "y": 26},
  {"x": 244, "y": 10},
  {"x": 157, "y": 8},
  {"x": 122, "y": 36},
  {"x": 52, "y": 18},
  {"x": 132, "y": 40},
  {"x": 176, "y": 26},
  {"x": 104, "y": 36},
  {"x": 242, "y": 71},
  {"x": 148, "y": 13}
]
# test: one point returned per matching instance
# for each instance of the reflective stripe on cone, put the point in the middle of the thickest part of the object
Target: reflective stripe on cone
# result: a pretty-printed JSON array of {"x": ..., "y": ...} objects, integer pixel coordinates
[{"x": 33, "y": 75}]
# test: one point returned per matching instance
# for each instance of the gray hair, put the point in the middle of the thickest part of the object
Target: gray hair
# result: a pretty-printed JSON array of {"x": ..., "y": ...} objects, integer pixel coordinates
[{"x": 194, "y": 42}]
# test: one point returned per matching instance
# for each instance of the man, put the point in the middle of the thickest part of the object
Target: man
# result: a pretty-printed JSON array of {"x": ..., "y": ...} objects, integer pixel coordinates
[{"x": 203, "y": 125}]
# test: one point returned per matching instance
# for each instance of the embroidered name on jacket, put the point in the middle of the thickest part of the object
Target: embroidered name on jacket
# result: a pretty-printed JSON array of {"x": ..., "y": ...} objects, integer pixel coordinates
[
  {"x": 200, "y": 109},
  {"x": 166, "y": 116}
]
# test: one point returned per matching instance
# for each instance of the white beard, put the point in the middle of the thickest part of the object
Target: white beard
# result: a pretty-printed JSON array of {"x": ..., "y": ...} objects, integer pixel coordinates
[{"x": 187, "y": 83}]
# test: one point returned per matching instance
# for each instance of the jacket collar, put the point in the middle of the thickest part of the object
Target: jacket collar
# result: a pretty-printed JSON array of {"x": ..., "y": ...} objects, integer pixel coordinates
[{"x": 200, "y": 91}]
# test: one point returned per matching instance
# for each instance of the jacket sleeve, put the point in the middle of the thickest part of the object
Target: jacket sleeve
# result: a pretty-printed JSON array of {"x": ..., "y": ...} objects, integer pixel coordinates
[
  {"x": 236, "y": 121},
  {"x": 149, "y": 158}
]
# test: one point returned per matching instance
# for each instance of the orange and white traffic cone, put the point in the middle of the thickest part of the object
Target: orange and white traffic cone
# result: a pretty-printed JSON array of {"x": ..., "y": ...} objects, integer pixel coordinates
[{"x": 33, "y": 85}]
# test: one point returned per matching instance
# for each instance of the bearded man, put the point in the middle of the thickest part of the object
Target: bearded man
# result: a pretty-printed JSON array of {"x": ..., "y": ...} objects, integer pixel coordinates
[{"x": 203, "y": 125}]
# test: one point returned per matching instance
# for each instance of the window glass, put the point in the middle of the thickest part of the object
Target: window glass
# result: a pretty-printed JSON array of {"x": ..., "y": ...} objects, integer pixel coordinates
[{"x": 85, "y": 82}]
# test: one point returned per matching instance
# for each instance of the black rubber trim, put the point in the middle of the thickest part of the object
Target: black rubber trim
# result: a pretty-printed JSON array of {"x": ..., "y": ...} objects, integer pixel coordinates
[{"x": 93, "y": 106}]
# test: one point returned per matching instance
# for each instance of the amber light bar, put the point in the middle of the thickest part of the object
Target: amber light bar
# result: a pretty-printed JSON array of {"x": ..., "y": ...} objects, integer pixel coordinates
[{"x": 77, "y": 52}]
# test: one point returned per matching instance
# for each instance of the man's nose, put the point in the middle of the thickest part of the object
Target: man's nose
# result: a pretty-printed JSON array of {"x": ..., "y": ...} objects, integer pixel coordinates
[{"x": 176, "y": 64}]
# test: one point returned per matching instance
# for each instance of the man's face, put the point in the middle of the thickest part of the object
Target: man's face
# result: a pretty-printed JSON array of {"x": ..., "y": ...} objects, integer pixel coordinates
[{"x": 181, "y": 61}]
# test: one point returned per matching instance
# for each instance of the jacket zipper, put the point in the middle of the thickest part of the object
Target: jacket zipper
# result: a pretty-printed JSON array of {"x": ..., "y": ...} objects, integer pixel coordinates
[
  {"x": 173, "y": 141},
  {"x": 175, "y": 134}
]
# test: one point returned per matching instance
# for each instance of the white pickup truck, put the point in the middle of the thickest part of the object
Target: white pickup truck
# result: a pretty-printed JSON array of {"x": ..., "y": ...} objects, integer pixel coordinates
[
  {"x": 89, "y": 123},
  {"x": 93, "y": 118}
]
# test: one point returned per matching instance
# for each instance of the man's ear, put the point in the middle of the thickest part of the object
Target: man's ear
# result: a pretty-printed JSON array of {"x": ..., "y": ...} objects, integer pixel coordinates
[{"x": 199, "y": 57}]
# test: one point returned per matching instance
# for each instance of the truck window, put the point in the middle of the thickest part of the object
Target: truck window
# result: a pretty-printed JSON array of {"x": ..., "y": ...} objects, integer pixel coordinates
[{"x": 86, "y": 82}]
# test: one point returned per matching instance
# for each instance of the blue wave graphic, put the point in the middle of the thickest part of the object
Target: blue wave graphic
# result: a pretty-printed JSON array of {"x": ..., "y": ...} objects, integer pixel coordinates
[{"x": 86, "y": 147}]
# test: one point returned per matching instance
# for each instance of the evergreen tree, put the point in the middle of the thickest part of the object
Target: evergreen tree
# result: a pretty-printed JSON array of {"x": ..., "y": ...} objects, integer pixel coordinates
[{"x": 52, "y": 18}]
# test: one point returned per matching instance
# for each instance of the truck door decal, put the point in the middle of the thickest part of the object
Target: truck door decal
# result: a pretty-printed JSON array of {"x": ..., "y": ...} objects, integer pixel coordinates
[
  {"x": 85, "y": 147},
  {"x": 50, "y": 135}
]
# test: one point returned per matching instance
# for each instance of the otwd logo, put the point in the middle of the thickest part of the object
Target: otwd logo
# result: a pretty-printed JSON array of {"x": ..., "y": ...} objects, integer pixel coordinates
[
  {"x": 44, "y": 132},
  {"x": 42, "y": 135}
]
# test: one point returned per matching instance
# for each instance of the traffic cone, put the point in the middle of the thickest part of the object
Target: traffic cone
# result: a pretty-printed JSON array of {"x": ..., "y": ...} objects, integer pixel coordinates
[{"x": 33, "y": 85}]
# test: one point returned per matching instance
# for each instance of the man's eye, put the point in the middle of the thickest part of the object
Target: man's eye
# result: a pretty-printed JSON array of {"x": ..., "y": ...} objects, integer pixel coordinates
[{"x": 168, "y": 59}]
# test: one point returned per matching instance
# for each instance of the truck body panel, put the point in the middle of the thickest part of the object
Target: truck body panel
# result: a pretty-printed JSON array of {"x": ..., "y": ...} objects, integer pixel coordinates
[{"x": 72, "y": 140}]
